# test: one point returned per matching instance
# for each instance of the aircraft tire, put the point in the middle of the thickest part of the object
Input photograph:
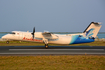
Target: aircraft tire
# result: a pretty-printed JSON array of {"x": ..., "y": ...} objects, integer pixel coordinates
[
  {"x": 7, "y": 42},
  {"x": 46, "y": 46}
]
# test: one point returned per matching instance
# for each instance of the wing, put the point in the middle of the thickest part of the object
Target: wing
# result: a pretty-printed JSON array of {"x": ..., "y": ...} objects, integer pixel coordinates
[{"x": 48, "y": 35}]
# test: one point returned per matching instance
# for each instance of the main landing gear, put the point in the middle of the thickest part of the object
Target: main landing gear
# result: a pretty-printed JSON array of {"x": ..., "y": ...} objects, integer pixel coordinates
[
  {"x": 46, "y": 43},
  {"x": 46, "y": 46}
]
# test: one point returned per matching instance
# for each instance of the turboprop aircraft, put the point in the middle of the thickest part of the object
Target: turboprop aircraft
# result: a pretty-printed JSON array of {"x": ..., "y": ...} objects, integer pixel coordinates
[{"x": 87, "y": 36}]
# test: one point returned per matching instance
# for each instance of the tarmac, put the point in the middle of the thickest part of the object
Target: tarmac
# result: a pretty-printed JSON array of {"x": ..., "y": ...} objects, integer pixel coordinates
[{"x": 52, "y": 50}]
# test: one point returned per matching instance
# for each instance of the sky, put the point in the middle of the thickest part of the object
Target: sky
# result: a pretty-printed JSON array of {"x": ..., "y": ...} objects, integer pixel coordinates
[{"x": 50, "y": 15}]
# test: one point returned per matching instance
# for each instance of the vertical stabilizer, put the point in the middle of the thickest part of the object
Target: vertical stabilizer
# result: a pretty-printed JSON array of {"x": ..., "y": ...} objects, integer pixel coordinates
[{"x": 92, "y": 30}]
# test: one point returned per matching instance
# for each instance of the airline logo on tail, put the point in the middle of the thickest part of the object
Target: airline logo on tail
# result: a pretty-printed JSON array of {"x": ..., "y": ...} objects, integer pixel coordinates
[{"x": 89, "y": 33}]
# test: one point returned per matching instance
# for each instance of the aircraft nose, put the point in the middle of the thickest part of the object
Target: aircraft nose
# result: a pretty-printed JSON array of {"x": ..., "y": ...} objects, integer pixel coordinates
[{"x": 3, "y": 37}]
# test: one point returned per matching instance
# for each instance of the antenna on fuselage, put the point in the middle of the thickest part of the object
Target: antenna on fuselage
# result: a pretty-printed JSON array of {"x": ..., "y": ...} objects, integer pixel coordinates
[{"x": 33, "y": 33}]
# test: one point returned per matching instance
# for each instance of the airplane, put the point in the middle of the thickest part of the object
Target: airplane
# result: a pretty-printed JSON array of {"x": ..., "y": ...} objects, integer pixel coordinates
[{"x": 89, "y": 35}]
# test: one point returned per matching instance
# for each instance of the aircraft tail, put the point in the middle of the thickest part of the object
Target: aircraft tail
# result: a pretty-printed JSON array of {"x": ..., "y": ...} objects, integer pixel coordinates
[{"x": 92, "y": 30}]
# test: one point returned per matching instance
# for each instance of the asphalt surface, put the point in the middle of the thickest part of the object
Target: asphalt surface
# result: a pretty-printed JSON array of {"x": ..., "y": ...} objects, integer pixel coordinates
[{"x": 52, "y": 50}]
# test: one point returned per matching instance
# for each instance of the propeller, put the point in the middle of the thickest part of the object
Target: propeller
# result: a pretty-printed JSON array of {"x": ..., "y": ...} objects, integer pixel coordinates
[{"x": 33, "y": 33}]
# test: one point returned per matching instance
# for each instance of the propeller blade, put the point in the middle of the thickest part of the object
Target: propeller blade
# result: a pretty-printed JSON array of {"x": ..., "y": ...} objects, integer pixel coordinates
[
  {"x": 34, "y": 30},
  {"x": 33, "y": 33}
]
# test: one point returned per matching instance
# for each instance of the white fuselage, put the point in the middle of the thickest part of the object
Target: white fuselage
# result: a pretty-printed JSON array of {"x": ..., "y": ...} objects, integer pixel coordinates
[
  {"x": 27, "y": 36},
  {"x": 87, "y": 36}
]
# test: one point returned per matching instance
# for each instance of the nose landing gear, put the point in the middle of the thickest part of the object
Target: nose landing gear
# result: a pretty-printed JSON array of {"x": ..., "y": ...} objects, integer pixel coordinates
[{"x": 7, "y": 42}]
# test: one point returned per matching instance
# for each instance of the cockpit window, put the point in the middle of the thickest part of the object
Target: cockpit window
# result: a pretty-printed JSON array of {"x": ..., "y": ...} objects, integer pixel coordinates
[{"x": 12, "y": 33}]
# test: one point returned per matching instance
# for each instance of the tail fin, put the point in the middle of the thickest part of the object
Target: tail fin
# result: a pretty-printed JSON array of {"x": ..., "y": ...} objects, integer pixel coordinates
[{"x": 92, "y": 30}]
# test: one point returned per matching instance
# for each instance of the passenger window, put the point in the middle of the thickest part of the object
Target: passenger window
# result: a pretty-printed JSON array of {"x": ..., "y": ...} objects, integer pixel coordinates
[{"x": 80, "y": 35}]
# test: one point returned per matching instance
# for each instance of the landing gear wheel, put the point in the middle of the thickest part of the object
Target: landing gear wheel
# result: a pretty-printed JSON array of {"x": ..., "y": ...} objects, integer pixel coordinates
[
  {"x": 7, "y": 42},
  {"x": 46, "y": 46}
]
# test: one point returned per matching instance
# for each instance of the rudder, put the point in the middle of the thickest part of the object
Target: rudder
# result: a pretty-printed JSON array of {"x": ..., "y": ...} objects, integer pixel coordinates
[{"x": 92, "y": 30}]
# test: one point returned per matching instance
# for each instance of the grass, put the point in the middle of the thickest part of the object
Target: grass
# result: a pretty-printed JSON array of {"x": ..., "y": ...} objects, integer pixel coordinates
[
  {"x": 64, "y": 62},
  {"x": 61, "y": 62},
  {"x": 21, "y": 43}
]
